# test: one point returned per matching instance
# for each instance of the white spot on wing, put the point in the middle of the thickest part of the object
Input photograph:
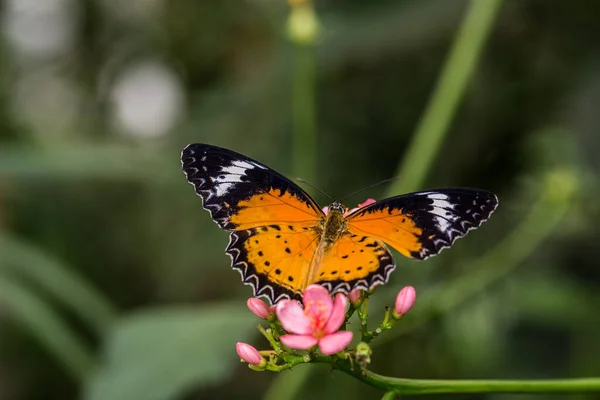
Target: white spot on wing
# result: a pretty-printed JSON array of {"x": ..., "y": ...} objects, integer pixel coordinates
[
  {"x": 442, "y": 203},
  {"x": 233, "y": 169},
  {"x": 443, "y": 219},
  {"x": 442, "y": 223},
  {"x": 436, "y": 196},
  {"x": 230, "y": 175}
]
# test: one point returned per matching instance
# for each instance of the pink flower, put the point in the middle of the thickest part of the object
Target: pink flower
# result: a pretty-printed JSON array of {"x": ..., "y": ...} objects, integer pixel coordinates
[
  {"x": 249, "y": 354},
  {"x": 404, "y": 301},
  {"x": 317, "y": 323},
  {"x": 361, "y": 205},
  {"x": 258, "y": 307}
]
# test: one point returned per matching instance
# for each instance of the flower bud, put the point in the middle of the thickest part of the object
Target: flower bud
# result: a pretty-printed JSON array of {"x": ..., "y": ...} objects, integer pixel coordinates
[
  {"x": 404, "y": 301},
  {"x": 258, "y": 307},
  {"x": 303, "y": 25},
  {"x": 250, "y": 355},
  {"x": 355, "y": 297},
  {"x": 363, "y": 354}
]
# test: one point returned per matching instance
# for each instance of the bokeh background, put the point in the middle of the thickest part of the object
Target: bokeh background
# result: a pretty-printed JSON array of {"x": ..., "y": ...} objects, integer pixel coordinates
[{"x": 113, "y": 280}]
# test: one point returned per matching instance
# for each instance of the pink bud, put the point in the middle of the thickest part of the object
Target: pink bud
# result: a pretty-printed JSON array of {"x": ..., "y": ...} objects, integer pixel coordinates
[
  {"x": 404, "y": 301},
  {"x": 249, "y": 354},
  {"x": 354, "y": 296},
  {"x": 258, "y": 307}
]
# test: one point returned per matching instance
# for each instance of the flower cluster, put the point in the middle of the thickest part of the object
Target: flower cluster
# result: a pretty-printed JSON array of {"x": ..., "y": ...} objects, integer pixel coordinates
[{"x": 318, "y": 324}]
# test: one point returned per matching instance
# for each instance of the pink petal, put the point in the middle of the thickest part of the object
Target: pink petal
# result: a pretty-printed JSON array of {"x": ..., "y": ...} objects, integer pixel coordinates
[
  {"x": 361, "y": 205},
  {"x": 326, "y": 210},
  {"x": 248, "y": 353},
  {"x": 338, "y": 314},
  {"x": 292, "y": 317},
  {"x": 405, "y": 300},
  {"x": 299, "y": 342},
  {"x": 335, "y": 342},
  {"x": 366, "y": 203},
  {"x": 350, "y": 211},
  {"x": 317, "y": 303},
  {"x": 258, "y": 307}
]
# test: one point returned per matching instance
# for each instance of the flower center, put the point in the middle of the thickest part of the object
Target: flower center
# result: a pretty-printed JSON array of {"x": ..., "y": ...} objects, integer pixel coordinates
[{"x": 318, "y": 313}]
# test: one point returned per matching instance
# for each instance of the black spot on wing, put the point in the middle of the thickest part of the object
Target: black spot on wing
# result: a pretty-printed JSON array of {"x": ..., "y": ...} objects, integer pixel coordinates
[{"x": 223, "y": 178}]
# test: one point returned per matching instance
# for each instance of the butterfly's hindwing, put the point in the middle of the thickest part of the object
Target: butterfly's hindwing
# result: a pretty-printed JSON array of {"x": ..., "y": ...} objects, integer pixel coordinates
[
  {"x": 421, "y": 224},
  {"x": 355, "y": 262},
  {"x": 273, "y": 260},
  {"x": 241, "y": 193}
]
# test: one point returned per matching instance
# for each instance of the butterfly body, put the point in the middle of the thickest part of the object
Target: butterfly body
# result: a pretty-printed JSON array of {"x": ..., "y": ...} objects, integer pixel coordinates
[{"x": 281, "y": 241}]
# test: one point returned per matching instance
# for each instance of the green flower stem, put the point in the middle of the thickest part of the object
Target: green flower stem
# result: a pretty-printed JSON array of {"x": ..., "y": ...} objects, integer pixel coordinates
[
  {"x": 386, "y": 324},
  {"x": 303, "y": 31},
  {"x": 441, "y": 386},
  {"x": 363, "y": 314},
  {"x": 401, "y": 386},
  {"x": 391, "y": 395},
  {"x": 446, "y": 97},
  {"x": 268, "y": 334}
]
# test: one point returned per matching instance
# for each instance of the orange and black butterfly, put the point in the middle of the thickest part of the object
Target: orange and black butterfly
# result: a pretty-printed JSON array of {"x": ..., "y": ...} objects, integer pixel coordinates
[{"x": 281, "y": 241}]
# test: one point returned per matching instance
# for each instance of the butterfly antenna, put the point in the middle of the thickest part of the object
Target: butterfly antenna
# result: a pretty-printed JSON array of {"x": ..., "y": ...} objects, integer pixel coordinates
[
  {"x": 370, "y": 187},
  {"x": 316, "y": 188}
]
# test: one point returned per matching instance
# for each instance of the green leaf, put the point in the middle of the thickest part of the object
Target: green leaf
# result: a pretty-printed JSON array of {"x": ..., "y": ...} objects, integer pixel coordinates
[
  {"x": 161, "y": 353},
  {"x": 57, "y": 279},
  {"x": 47, "y": 327}
]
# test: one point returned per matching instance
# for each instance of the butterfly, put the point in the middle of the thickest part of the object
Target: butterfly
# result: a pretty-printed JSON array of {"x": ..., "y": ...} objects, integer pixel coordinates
[{"x": 281, "y": 241}]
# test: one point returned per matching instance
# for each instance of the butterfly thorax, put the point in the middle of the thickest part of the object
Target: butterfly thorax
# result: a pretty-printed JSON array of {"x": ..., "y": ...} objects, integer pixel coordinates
[{"x": 335, "y": 224}]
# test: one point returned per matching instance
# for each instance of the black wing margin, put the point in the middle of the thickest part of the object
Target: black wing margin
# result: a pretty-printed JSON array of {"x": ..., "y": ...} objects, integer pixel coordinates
[{"x": 224, "y": 178}]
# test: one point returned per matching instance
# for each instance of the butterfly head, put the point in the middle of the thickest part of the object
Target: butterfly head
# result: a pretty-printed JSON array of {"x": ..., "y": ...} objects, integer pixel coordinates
[{"x": 337, "y": 206}]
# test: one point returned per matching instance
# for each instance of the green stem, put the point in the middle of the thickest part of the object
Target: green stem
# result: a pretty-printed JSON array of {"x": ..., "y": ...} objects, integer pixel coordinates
[
  {"x": 268, "y": 334},
  {"x": 304, "y": 140},
  {"x": 391, "y": 395},
  {"x": 363, "y": 314},
  {"x": 439, "y": 386},
  {"x": 445, "y": 99}
]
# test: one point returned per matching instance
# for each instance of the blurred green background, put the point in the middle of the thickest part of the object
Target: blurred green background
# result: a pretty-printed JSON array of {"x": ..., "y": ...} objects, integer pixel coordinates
[{"x": 114, "y": 283}]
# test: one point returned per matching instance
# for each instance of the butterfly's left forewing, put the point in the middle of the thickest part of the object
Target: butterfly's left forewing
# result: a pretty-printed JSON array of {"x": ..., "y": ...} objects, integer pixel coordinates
[
  {"x": 241, "y": 193},
  {"x": 422, "y": 224}
]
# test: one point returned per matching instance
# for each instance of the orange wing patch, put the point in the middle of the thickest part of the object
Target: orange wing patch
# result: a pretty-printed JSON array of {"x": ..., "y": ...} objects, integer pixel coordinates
[
  {"x": 273, "y": 207},
  {"x": 391, "y": 225},
  {"x": 274, "y": 260},
  {"x": 355, "y": 262}
]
